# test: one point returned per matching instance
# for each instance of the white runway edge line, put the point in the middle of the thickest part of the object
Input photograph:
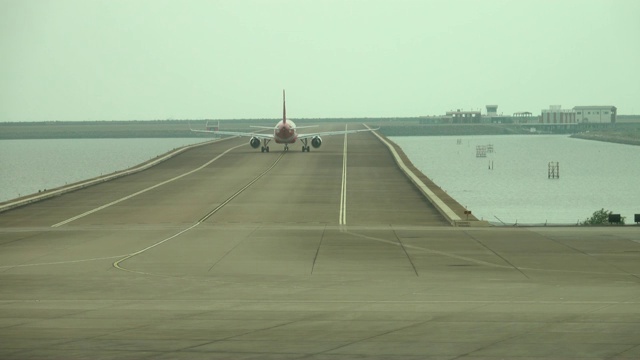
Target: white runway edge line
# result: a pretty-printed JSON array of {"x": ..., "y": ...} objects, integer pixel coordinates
[
  {"x": 66, "y": 189},
  {"x": 445, "y": 210},
  {"x": 144, "y": 190},
  {"x": 343, "y": 190}
]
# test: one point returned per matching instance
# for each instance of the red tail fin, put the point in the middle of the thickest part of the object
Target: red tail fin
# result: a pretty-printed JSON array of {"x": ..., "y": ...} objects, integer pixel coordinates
[{"x": 284, "y": 109}]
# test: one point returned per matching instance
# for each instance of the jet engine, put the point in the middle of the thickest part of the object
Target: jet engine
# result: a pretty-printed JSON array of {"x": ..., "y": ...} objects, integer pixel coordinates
[
  {"x": 316, "y": 142},
  {"x": 254, "y": 142}
]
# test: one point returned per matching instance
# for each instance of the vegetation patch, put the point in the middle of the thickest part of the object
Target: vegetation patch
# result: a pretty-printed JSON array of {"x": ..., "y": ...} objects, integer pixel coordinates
[{"x": 604, "y": 217}]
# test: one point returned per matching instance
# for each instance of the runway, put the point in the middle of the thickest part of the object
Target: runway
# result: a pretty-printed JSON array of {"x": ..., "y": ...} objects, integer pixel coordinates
[{"x": 223, "y": 252}]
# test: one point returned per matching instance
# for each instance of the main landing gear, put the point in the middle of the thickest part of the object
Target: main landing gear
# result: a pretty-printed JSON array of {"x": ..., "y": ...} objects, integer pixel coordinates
[
  {"x": 305, "y": 147},
  {"x": 265, "y": 147}
]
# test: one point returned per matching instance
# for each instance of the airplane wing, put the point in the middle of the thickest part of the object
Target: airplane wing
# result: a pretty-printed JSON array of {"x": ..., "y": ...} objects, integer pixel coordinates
[
  {"x": 234, "y": 133},
  {"x": 271, "y": 127},
  {"x": 330, "y": 133}
]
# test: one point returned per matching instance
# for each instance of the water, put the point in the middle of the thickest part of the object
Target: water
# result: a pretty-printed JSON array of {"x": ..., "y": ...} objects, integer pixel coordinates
[
  {"x": 27, "y": 166},
  {"x": 593, "y": 175}
]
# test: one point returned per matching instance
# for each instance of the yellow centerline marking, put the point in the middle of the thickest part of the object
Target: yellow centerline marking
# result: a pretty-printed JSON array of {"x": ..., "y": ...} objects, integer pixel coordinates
[
  {"x": 60, "y": 262},
  {"x": 203, "y": 219},
  {"x": 117, "y": 263},
  {"x": 144, "y": 190}
]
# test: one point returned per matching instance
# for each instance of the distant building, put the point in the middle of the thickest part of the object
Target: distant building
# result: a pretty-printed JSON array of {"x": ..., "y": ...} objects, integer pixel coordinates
[
  {"x": 523, "y": 117},
  {"x": 492, "y": 110},
  {"x": 596, "y": 114},
  {"x": 464, "y": 117},
  {"x": 556, "y": 115}
]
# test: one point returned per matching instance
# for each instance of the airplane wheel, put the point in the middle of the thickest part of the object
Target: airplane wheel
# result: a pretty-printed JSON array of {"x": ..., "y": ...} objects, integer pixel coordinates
[
  {"x": 267, "y": 148},
  {"x": 262, "y": 149}
]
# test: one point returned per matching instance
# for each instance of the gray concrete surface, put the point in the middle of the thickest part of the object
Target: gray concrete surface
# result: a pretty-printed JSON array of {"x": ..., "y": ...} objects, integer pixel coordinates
[{"x": 170, "y": 273}]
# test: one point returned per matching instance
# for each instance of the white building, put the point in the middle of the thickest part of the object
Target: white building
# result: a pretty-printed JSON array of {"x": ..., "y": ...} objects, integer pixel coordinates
[
  {"x": 596, "y": 114},
  {"x": 556, "y": 115}
]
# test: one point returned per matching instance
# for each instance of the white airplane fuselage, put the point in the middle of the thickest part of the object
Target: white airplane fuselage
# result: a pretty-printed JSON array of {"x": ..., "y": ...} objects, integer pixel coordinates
[{"x": 285, "y": 132}]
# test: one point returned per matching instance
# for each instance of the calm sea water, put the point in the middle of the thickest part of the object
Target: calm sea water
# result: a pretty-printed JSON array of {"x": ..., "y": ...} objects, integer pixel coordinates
[
  {"x": 27, "y": 166},
  {"x": 593, "y": 175}
]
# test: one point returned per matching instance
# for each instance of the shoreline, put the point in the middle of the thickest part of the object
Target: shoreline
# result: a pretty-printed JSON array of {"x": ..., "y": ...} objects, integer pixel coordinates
[
  {"x": 620, "y": 133},
  {"x": 607, "y": 138}
]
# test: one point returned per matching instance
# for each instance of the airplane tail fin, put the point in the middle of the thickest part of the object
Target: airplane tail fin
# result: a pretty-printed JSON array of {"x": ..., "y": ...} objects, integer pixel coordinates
[
  {"x": 212, "y": 128},
  {"x": 284, "y": 109}
]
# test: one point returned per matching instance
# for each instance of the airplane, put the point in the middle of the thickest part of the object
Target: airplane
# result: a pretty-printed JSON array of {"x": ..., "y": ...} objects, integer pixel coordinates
[{"x": 285, "y": 132}]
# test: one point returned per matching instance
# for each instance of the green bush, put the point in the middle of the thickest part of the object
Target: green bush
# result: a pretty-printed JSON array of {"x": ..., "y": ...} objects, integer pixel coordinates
[{"x": 600, "y": 217}]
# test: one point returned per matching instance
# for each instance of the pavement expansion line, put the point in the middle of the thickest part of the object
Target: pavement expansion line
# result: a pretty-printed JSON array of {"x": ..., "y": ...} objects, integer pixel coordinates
[
  {"x": 231, "y": 250},
  {"x": 498, "y": 255},
  {"x": 595, "y": 258},
  {"x": 415, "y": 270},
  {"x": 315, "y": 258},
  {"x": 204, "y": 218}
]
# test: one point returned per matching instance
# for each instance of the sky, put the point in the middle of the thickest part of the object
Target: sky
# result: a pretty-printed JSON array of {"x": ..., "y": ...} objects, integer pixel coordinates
[{"x": 68, "y": 60}]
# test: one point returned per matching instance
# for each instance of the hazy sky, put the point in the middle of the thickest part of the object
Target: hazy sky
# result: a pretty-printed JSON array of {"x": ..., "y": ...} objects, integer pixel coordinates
[{"x": 154, "y": 59}]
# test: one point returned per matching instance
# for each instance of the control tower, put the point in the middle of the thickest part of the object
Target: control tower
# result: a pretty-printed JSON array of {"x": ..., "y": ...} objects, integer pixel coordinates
[{"x": 492, "y": 110}]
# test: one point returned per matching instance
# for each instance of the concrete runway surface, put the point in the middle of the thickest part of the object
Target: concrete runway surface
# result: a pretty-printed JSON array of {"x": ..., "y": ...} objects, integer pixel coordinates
[{"x": 223, "y": 252}]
